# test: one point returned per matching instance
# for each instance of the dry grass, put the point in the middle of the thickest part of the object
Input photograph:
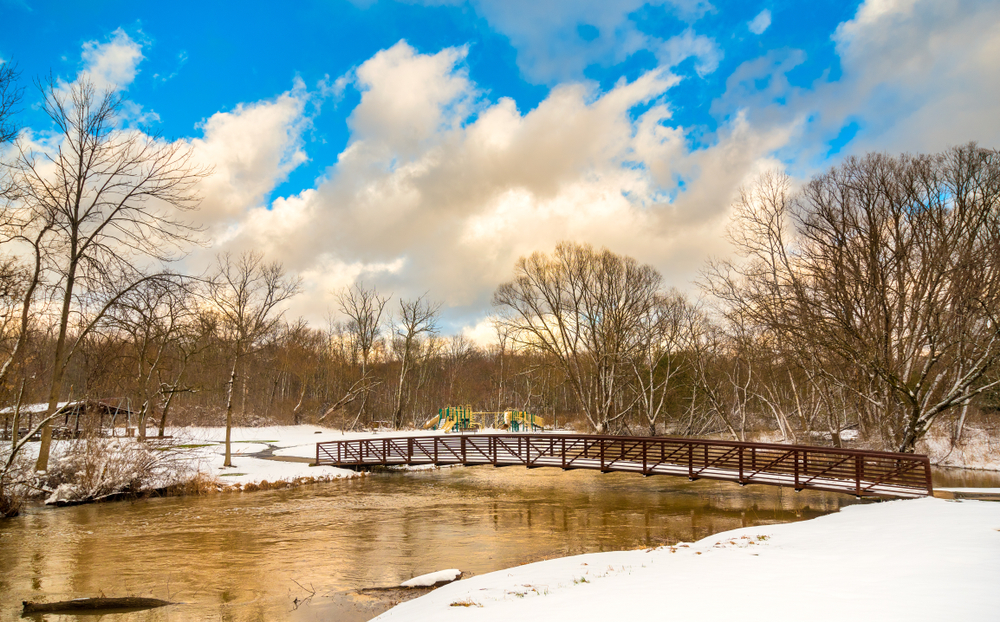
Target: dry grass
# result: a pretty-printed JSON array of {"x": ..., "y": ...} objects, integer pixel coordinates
[
  {"x": 199, "y": 484},
  {"x": 465, "y": 603}
]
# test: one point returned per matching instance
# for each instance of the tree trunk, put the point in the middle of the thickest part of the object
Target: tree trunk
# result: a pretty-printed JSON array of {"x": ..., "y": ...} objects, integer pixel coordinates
[
  {"x": 229, "y": 415},
  {"x": 42, "y": 463}
]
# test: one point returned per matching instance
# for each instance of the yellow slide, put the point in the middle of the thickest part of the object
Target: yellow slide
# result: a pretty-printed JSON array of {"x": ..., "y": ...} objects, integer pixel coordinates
[
  {"x": 432, "y": 422},
  {"x": 448, "y": 425}
]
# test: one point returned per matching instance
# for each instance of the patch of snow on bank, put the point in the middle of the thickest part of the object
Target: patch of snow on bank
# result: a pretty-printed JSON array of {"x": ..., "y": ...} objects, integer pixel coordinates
[
  {"x": 429, "y": 579},
  {"x": 923, "y": 559},
  {"x": 977, "y": 450}
]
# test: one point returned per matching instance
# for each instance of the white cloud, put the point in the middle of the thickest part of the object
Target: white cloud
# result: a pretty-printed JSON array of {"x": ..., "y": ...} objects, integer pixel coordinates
[
  {"x": 406, "y": 97},
  {"x": 111, "y": 65},
  {"x": 251, "y": 148},
  {"x": 441, "y": 190},
  {"x": 677, "y": 49},
  {"x": 557, "y": 40},
  {"x": 921, "y": 75},
  {"x": 760, "y": 23},
  {"x": 425, "y": 198}
]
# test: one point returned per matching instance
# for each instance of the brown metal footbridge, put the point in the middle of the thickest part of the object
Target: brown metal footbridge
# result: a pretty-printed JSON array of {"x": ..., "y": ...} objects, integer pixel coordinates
[{"x": 861, "y": 473}]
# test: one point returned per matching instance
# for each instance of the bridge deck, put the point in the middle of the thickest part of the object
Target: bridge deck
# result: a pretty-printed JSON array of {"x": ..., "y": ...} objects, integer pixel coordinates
[{"x": 862, "y": 473}]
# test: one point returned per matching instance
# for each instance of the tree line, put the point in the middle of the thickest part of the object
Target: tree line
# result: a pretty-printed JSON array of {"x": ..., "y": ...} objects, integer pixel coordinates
[{"x": 864, "y": 301}]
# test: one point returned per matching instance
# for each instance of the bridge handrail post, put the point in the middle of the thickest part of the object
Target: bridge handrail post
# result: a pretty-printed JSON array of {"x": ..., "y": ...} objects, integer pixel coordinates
[
  {"x": 858, "y": 473},
  {"x": 436, "y": 438},
  {"x": 795, "y": 457},
  {"x": 409, "y": 450},
  {"x": 741, "y": 462},
  {"x": 463, "y": 447},
  {"x": 602, "y": 454},
  {"x": 690, "y": 460},
  {"x": 927, "y": 476},
  {"x": 563, "y": 452},
  {"x": 644, "y": 446}
]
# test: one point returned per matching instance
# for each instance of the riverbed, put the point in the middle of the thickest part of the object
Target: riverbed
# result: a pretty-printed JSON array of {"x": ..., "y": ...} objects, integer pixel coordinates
[{"x": 301, "y": 554}]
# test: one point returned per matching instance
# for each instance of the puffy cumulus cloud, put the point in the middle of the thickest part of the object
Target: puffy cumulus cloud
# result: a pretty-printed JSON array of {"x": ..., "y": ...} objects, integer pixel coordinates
[
  {"x": 446, "y": 203},
  {"x": 921, "y": 75},
  {"x": 407, "y": 98},
  {"x": 111, "y": 65},
  {"x": 916, "y": 75},
  {"x": 251, "y": 149}
]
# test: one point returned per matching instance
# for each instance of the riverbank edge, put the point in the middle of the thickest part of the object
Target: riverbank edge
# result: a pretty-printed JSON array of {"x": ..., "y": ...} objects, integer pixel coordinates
[{"x": 902, "y": 559}]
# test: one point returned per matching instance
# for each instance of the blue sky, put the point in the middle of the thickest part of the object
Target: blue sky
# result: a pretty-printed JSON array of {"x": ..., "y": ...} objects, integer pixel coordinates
[{"x": 424, "y": 146}]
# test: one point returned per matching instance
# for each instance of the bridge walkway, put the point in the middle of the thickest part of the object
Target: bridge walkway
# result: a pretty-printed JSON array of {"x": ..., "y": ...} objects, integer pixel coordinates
[{"x": 857, "y": 472}]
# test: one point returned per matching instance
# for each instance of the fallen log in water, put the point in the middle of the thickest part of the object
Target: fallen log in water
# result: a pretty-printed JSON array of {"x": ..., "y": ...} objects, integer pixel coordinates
[{"x": 93, "y": 604}]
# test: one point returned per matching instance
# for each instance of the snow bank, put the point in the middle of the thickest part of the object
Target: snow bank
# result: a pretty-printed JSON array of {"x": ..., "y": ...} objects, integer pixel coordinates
[
  {"x": 431, "y": 578},
  {"x": 977, "y": 450},
  {"x": 205, "y": 446},
  {"x": 924, "y": 559}
]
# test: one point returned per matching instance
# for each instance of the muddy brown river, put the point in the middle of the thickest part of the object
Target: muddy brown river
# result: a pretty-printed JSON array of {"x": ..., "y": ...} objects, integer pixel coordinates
[{"x": 300, "y": 554}]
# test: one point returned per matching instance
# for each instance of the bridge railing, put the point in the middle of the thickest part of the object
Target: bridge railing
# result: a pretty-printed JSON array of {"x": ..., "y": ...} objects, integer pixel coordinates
[{"x": 863, "y": 473}]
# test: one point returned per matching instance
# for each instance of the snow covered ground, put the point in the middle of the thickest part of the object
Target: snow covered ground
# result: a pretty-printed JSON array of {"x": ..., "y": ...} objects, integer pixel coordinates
[
  {"x": 924, "y": 559},
  {"x": 205, "y": 447}
]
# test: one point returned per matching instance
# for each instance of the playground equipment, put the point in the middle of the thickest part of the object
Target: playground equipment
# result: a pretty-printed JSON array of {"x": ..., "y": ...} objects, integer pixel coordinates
[
  {"x": 463, "y": 418},
  {"x": 520, "y": 421}
]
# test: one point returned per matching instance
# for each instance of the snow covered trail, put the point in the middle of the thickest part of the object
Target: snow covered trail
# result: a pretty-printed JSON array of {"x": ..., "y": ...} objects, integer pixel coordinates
[{"x": 922, "y": 559}]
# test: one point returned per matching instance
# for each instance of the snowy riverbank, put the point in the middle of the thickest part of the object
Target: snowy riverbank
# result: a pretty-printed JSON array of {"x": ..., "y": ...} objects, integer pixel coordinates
[{"x": 924, "y": 559}]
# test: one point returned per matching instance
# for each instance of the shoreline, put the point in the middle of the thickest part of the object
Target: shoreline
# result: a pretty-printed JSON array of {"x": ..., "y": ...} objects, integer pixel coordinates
[
  {"x": 908, "y": 559},
  {"x": 264, "y": 458}
]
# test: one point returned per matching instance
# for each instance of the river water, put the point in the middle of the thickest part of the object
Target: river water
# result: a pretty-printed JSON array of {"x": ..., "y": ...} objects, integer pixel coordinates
[{"x": 249, "y": 556}]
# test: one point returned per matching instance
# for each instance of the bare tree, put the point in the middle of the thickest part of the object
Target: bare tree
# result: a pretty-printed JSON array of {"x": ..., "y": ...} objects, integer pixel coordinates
[
  {"x": 662, "y": 353},
  {"x": 10, "y": 98},
  {"x": 154, "y": 316},
  {"x": 584, "y": 308},
  {"x": 363, "y": 308},
  {"x": 247, "y": 294},
  {"x": 196, "y": 328},
  {"x": 417, "y": 318},
  {"x": 888, "y": 270},
  {"x": 103, "y": 203}
]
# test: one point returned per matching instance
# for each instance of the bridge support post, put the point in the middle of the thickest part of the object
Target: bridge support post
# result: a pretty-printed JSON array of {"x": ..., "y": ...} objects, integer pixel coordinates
[
  {"x": 859, "y": 472},
  {"x": 741, "y": 465},
  {"x": 795, "y": 457}
]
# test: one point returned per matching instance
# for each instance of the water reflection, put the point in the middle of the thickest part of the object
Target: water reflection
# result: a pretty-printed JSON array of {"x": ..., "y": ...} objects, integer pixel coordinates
[{"x": 249, "y": 556}]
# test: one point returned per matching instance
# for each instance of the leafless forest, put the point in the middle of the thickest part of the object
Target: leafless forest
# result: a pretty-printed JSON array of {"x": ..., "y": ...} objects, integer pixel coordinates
[{"x": 865, "y": 300}]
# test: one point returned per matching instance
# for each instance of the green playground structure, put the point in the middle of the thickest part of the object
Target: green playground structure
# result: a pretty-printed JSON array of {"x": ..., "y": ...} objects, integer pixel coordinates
[{"x": 463, "y": 418}]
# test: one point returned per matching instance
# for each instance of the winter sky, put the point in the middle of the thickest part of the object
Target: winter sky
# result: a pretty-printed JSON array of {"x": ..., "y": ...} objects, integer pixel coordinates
[{"x": 424, "y": 146}]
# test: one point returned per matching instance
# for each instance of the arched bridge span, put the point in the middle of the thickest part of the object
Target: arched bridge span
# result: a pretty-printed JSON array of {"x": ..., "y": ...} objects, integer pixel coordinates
[{"x": 862, "y": 473}]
